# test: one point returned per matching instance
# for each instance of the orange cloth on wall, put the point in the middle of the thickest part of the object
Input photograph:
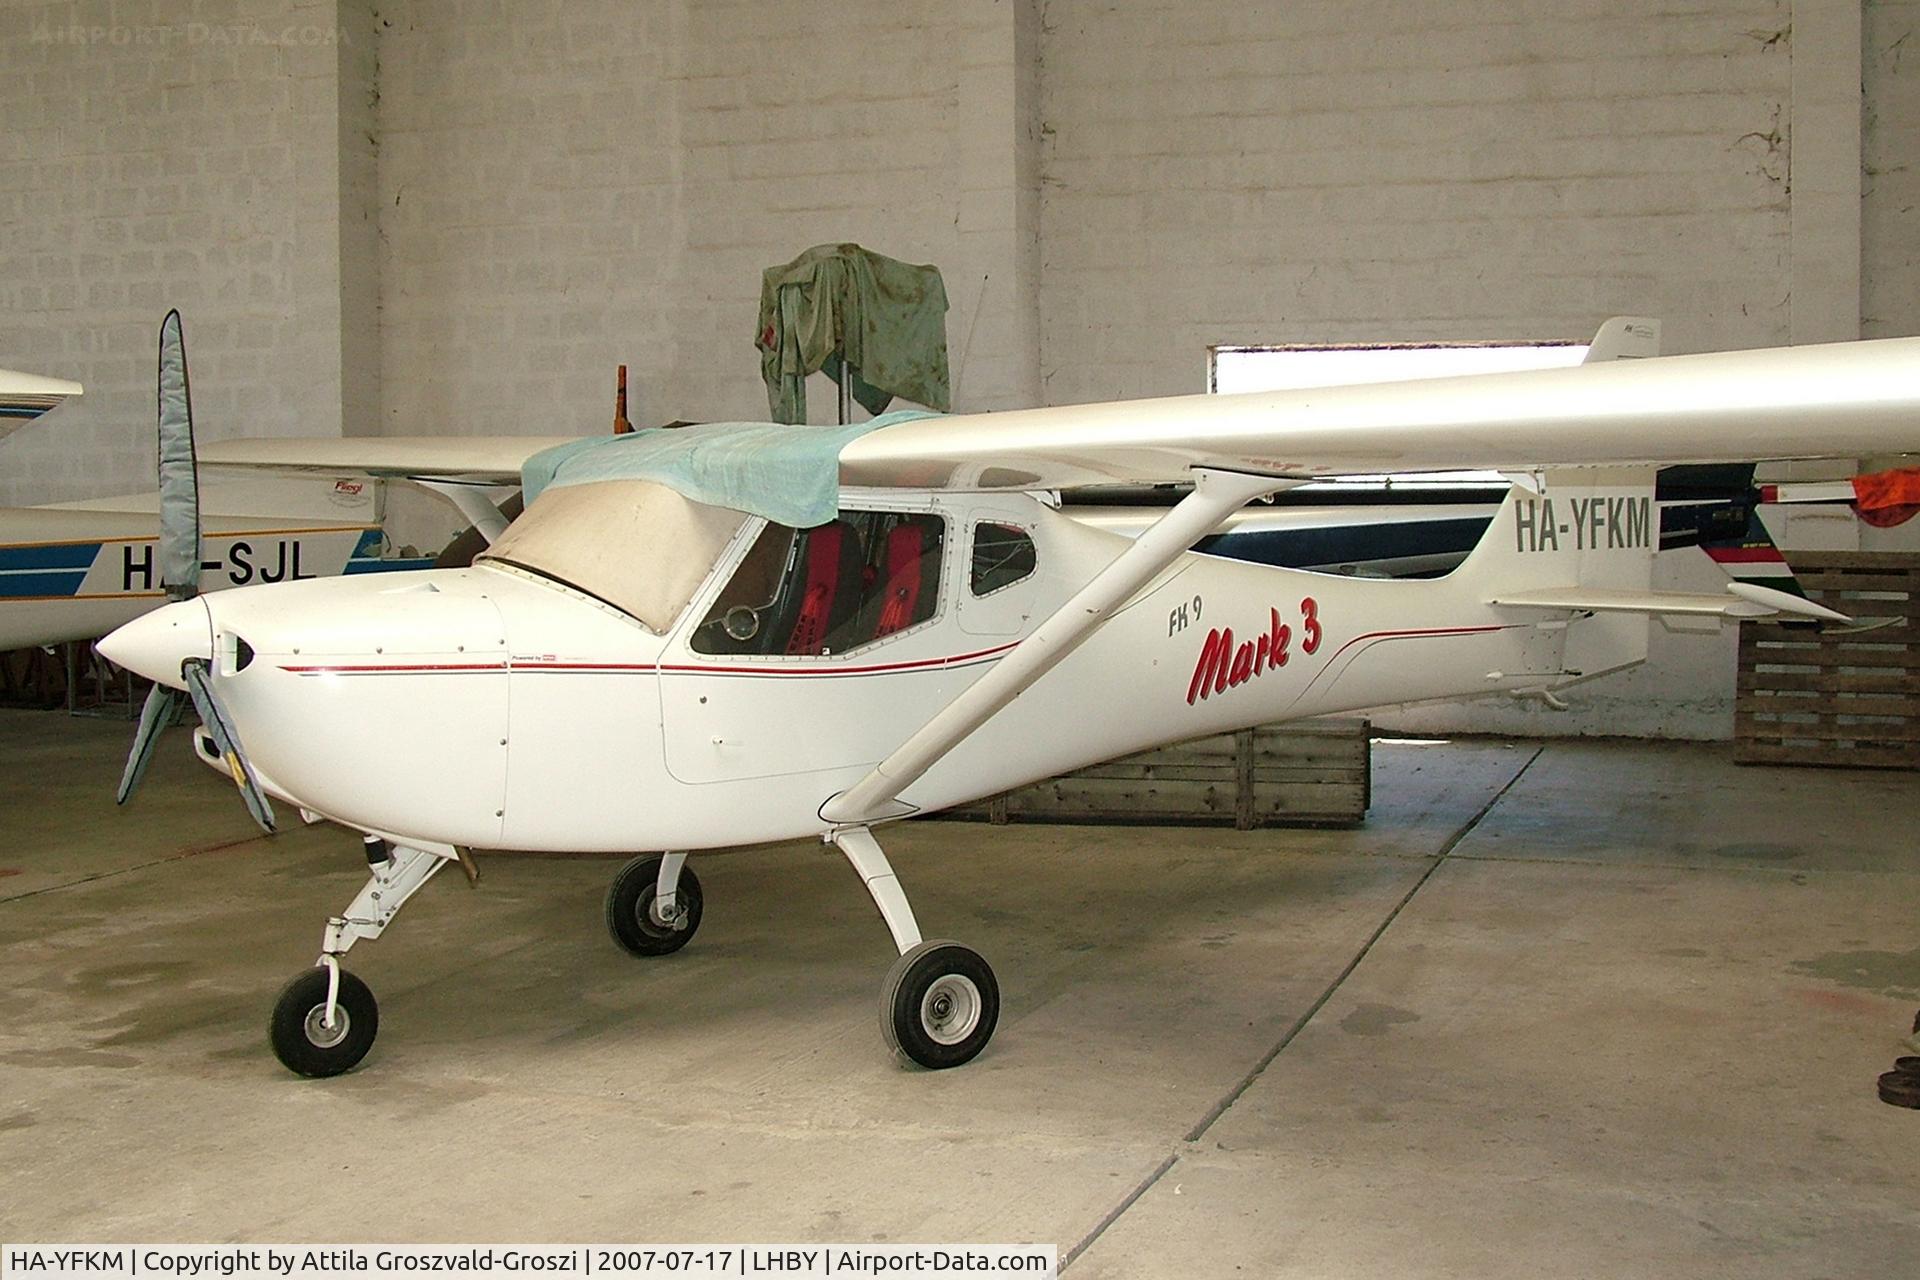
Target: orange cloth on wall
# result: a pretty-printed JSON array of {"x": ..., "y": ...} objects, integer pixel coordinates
[{"x": 1887, "y": 498}]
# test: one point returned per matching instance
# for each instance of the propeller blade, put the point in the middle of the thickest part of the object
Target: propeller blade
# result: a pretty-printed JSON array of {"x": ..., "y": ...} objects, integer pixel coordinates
[
  {"x": 180, "y": 551},
  {"x": 154, "y": 716},
  {"x": 214, "y": 716}
]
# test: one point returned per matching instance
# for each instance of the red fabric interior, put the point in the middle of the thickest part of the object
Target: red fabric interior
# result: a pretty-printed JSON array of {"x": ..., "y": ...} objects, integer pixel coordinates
[
  {"x": 824, "y": 547},
  {"x": 905, "y": 558}
]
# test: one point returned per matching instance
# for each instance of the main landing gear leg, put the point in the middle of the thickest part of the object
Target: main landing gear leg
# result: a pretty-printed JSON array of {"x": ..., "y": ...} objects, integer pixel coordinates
[
  {"x": 939, "y": 1002},
  {"x": 325, "y": 1019}
]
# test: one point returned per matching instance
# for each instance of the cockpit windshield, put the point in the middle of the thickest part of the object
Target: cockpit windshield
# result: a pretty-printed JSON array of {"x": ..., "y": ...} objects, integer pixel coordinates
[{"x": 639, "y": 546}]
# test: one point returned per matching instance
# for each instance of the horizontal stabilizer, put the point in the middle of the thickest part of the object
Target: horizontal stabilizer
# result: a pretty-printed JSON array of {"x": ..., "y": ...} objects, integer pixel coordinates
[{"x": 1741, "y": 601}]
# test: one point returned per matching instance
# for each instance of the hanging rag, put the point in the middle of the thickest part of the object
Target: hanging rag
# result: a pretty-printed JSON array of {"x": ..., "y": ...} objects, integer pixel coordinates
[{"x": 885, "y": 318}]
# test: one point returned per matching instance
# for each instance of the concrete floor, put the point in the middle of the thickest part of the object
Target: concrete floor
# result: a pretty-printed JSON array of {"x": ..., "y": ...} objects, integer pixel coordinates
[{"x": 1582, "y": 1009}]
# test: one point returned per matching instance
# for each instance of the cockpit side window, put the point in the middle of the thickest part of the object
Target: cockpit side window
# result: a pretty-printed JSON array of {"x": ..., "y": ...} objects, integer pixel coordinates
[
  {"x": 830, "y": 589},
  {"x": 1003, "y": 554}
]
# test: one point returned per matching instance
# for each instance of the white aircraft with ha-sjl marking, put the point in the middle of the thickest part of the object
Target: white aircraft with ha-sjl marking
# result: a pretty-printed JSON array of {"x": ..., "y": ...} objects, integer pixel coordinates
[
  {"x": 787, "y": 632},
  {"x": 73, "y": 571}
]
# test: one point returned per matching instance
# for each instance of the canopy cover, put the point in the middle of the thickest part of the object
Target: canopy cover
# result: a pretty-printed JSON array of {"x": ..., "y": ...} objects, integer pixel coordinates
[
  {"x": 789, "y": 474},
  {"x": 588, "y": 537}
]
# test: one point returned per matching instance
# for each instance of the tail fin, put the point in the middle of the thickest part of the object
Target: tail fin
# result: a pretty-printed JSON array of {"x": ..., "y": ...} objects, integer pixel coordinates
[
  {"x": 1749, "y": 556},
  {"x": 1572, "y": 526},
  {"x": 1580, "y": 544},
  {"x": 1580, "y": 541},
  {"x": 1624, "y": 338}
]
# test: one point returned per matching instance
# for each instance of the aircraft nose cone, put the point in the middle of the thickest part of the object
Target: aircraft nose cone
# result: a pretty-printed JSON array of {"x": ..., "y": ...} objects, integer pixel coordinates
[{"x": 155, "y": 644}]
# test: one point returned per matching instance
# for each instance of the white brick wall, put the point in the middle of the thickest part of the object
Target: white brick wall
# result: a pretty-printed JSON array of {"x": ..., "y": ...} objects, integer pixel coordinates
[
  {"x": 156, "y": 155},
  {"x": 1890, "y": 194},
  {"x": 1337, "y": 171},
  {"x": 569, "y": 187}
]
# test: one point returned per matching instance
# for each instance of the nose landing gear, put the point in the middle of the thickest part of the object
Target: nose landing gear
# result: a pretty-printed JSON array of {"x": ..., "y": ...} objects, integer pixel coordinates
[{"x": 325, "y": 1019}]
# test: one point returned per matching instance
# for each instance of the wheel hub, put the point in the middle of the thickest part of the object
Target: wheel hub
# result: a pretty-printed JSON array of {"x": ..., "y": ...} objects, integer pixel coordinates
[
  {"x": 951, "y": 1009},
  {"x": 676, "y": 921},
  {"x": 322, "y": 1036}
]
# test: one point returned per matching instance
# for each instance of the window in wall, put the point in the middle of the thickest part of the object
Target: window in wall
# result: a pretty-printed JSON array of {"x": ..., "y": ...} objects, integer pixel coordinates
[
  {"x": 828, "y": 590},
  {"x": 1284, "y": 368},
  {"x": 1003, "y": 554}
]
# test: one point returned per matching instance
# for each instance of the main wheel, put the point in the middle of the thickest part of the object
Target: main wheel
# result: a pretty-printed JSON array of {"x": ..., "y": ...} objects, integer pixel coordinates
[
  {"x": 939, "y": 1005},
  {"x": 632, "y": 919},
  {"x": 301, "y": 1039}
]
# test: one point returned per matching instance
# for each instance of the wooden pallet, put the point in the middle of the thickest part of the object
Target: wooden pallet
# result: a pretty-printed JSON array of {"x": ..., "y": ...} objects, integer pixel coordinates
[
  {"x": 1308, "y": 772},
  {"x": 1849, "y": 700}
]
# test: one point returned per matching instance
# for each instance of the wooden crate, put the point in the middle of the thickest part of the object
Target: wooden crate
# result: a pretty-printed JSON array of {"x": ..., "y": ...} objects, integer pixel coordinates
[
  {"x": 1807, "y": 698},
  {"x": 1309, "y": 772}
]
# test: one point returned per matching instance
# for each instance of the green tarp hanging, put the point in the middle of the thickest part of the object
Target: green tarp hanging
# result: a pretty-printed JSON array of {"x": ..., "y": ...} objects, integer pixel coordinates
[{"x": 887, "y": 317}]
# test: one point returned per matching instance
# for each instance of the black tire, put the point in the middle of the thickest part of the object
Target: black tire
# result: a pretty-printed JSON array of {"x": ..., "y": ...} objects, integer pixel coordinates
[
  {"x": 939, "y": 1005},
  {"x": 303, "y": 1045},
  {"x": 630, "y": 917},
  {"x": 1899, "y": 1089}
]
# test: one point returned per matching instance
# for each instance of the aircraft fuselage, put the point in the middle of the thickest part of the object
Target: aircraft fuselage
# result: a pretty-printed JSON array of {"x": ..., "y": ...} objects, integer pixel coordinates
[{"x": 493, "y": 708}]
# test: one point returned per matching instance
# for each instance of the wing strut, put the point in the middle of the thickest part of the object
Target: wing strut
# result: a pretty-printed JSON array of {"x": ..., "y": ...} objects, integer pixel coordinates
[
  {"x": 1216, "y": 495},
  {"x": 472, "y": 502}
]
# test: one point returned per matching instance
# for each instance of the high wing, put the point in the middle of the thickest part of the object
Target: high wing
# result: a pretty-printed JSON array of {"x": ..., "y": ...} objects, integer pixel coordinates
[
  {"x": 1851, "y": 399},
  {"x": 450, "y": 459},
  {"x": 25, "y": 396}
]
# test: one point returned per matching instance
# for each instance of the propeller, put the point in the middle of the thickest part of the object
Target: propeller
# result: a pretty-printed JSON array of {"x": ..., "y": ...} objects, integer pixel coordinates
[{"x": 179, "y": 557}]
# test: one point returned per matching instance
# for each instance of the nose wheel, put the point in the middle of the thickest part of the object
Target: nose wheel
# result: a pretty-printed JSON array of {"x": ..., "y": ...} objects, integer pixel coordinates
[
  {"x": 311, "y": 1040},
  {"x": 325, "y": 1019}
]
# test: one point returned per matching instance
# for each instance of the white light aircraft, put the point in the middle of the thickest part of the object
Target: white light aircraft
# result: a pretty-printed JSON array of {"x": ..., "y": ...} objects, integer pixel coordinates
[
  {"x": 947, "y": 634},
  {"x": 25, "y": 396}
]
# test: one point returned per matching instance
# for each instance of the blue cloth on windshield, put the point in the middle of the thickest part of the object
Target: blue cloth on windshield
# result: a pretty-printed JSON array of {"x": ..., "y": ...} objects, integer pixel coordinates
[{"x": 789, "y": 474}]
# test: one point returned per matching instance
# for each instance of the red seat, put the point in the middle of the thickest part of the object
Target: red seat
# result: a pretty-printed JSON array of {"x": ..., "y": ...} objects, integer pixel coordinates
[
  {"x": 907, "y": 562},
  {"x": 832, "y": 590}
]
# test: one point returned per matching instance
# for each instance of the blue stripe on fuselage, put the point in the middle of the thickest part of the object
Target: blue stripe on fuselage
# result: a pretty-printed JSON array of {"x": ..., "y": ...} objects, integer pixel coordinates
[
  {"x": 15, "y": 585},
  {"x": 63, "y": 555},
  {"x": 377, "y": 565}
]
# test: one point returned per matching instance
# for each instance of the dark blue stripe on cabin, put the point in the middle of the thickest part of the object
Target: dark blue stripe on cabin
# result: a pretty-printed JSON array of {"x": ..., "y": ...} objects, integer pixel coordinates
[
  {"x": 65, "y": 555},
  {"x": 1347, "y": 544},
  {"x": 15, "y": 585},
  {"x": 377, "y": 565}
]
